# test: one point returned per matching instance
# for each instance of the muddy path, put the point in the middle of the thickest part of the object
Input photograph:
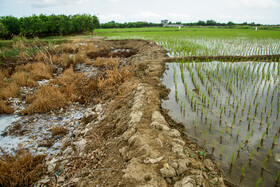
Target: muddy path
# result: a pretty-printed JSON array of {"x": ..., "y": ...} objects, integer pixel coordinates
[{"x": 133, "y": 142}]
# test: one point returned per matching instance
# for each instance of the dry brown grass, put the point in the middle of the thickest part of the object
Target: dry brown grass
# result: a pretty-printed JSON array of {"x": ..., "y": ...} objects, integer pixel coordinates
[
  {"x": 9, "y": 90},
  {"x": 4, "y": 108},
  {"x": 20, "y": 44},
  {"x": 47, "y": 98},
  {"x": 23, "y": 56},
  {"x": 2, "y": 78},
  {"x": 68, "y": 48},
  {"x": 88, "y": 61},
  {"x": 80, "y": 57},
  {"x": 41, "y": 57},
  {"x": 20, "y": 169},
  {"x": 69, "y": 83},
  {"x": 113, "y": 78},
  {"x": 23, "y": 79},
  {"x": 37, "y": 71},
  {"x": 107, "y": 63},
  {"x": 59, "y": 130}
]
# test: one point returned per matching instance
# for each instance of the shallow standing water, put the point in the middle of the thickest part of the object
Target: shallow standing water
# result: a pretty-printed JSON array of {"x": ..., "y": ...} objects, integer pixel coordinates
[
  {"x": 8, "y": 142},
  {"x": 233, "y": 110}
]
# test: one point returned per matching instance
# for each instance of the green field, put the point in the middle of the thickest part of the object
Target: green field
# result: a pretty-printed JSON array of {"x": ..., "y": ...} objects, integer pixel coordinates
[{"x": 204, "y": 41}]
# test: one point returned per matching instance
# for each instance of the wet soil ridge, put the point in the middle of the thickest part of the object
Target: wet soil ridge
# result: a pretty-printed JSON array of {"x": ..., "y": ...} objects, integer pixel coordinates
[
  {"x": 156, "y": 152},
  {"x": 223, "y": 58}
]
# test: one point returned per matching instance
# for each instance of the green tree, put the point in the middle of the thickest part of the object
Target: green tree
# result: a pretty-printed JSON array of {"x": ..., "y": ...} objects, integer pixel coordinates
[{"x": 11, "y": 24}]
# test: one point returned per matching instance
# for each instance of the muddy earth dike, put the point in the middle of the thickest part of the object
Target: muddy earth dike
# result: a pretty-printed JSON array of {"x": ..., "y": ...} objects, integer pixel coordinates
[{"x": 130, "y": 140}]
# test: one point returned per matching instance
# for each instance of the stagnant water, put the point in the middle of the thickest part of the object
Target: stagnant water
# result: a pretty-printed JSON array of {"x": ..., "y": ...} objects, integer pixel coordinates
[
  {"x": 8, "y": 143},
  {"x": 232, "y": 109}
]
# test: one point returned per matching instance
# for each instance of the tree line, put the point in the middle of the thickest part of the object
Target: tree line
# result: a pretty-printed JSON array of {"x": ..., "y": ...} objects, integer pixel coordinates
[
  {"x": 43, "y": 25},
  {"x": 113, "y": 24}
]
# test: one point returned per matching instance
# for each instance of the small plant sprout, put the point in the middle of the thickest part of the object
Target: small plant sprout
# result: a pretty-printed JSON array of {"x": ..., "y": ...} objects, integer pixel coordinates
[
  {"x": 263, "y": 135},
  {"x": 267, "y": 127},
  {"x": 221, "y": 137},
  {"x": 269, "y": 153},
  {"x": 221, "y": 151},
  {"x": 243, "y": 171},
  {"x": 258, "y": 181},
  {"x": 264, "y": 163},
  {"x": 205, "y": 136},
  {"x": 251, "y": 155},
  {"x": 278, "y": 177},
  {"x": 233, "y": 121},
  {"x": 239, "y": 147},
  {"x": 232, "y": 158},
  {"x": 247, "y": 137},
  {"x": 259, "y": 144},
  {"x": 213, "y": 144},
  {"x": 250, "y": 120}
]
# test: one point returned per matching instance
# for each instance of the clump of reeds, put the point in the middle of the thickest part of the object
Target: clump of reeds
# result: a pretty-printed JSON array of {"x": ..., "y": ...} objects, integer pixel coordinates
[{"x": 20, "y": 169}]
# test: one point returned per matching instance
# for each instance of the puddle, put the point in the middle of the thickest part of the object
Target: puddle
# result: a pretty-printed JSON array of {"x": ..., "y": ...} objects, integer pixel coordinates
[
  {"x": 8, "y": 143},
  {"x": 224, "y": 105},
  {"x": 34, "y": 131}
]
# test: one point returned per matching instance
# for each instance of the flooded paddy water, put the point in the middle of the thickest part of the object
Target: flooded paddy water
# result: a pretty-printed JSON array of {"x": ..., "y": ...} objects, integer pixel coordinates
[{"x": 231, "y": 109}]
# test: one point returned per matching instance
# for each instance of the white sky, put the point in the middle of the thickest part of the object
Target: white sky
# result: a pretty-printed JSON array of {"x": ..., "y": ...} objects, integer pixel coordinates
[{"x": 238, "y": 11}]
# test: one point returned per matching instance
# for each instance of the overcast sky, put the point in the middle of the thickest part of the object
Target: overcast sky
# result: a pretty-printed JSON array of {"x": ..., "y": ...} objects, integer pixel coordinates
[{"x": 259, "y": 11}]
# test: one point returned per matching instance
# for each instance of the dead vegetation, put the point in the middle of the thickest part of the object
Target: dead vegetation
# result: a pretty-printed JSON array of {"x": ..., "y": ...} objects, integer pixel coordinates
[
  {"x": 69, "y": 83},
  {"x": 70, "y": 86},
  {"x": 23, "y": 79},
  {"x": 107, "y": 63},
  {"x": 9, "y": 90},
  {"x": 37, "y": 71},
  {"x": 20, "y": 169},
  {"x": 47, "y": 98},
  {"x": 59, "y": 130},
  {"x": 4, "y": 108}
]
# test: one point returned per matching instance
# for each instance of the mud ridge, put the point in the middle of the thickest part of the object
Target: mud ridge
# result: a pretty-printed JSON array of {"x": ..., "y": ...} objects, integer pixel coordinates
[
  {"x": 223, "y": 58},
  {"x": 146, "y": 150}
]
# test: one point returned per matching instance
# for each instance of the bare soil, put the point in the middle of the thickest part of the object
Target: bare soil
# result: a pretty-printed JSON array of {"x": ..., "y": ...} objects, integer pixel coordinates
[{"x": 135, "y": 142}]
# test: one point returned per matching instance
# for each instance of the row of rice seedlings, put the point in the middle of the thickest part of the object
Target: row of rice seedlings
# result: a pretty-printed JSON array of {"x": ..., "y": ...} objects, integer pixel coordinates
[
  {"x": 235, "y": 101},
  {"x": 193, "y": 46}
]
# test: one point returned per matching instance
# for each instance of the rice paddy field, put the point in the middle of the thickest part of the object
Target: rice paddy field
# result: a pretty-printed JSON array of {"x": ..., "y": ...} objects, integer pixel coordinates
[
  {"x": 230, "y": 108},
  {"x": 205, "y": 41}
]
